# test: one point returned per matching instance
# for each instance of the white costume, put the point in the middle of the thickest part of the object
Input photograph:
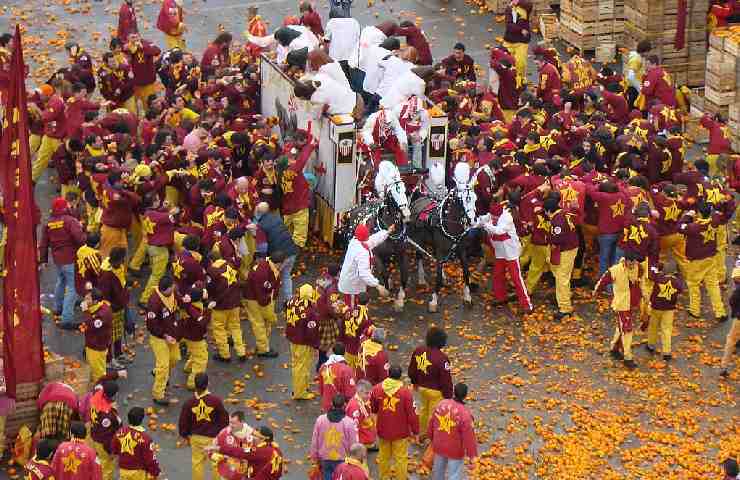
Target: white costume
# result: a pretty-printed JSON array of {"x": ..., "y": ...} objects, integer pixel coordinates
[
  {"x": 407, "y": 85},
  {"x": 373, "y": 72},
  {"x": 391, "y": 69},
  {"x": 389, "y": 125},
  {"x": 465, "y": 189},
  {"x": 509, "y": 248},
  {"x": 305, "y": 39},
  {"x": 414, "y": 119},
  {"x": 340, "y": 98},
  {"x": 369, "y": 37},
  {"x": 356, "y": 274},
  {"x": 343, "y": 35}
]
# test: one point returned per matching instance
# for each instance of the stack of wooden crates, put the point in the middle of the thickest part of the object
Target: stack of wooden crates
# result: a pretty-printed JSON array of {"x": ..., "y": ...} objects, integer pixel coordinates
[
  {"x": 590, "y": 24},
  {"x": 656, "y": 20},
  {"x": 722, "y": 88}
]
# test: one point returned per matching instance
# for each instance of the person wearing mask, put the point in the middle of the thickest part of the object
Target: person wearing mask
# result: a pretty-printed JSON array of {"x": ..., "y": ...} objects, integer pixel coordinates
[
  {"x": 135, "y": 449},
  {"x": 64, "y": 235},
  {"x": 355, "y": 465},
  {"x": 430, "y": 373},
  {"x": 98, "y": 327},
  {"x": 104, "y": 423},
  {"x": 202, "y": 417},
  {"x": 39, "y": 467},
  {"x": 342, "y": 35},
  {"x": 333, "y": 435},
  {"x": 336, "y": 377},
  {"x": 452, "y": 436},
  {"x": 75, "y": 459},
  {"x": 260, "y": 291},
  {"x": 356, "y": 273},
  {"x": 302, "y": 331},
  {"x": 164, "y": 334},
  {"x": 393, "y": 403}
]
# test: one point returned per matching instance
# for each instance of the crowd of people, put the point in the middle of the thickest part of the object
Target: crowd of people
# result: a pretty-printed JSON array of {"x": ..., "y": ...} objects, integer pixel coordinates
[{"x": 165, "y": 158}]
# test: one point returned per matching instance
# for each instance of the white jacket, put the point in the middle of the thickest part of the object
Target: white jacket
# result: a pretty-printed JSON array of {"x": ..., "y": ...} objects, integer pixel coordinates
[
  {"x": 369, "y": 128},
  {"x": 356, "y": 274},
  {"x": 339, "y": 97},
  {"x": 511, "y": 248},
  {"x": 343, "y": 35},
  {"x": 407, "y": 85}
]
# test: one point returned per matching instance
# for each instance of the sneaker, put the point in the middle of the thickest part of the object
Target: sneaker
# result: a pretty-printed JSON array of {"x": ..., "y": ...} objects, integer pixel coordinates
[
  {"x": 307, "y": 396},
  {"x": 698, "y": 317},
  {"x": 650, "y": 348},
  {"x": 630, "y": 364},
  {"x": 724, "y": 373},
  {"x": 722, "y": 319},
  {"x": 268, "y": 354},
  {"x": 667, "y": 357},
  {"x": 124, "y": 359},
  {"x": 616, "y": 354},
  {"x": 221, "y": 359}
]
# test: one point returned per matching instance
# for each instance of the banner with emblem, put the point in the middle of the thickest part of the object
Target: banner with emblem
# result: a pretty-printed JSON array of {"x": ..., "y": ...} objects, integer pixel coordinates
[{"x": 22, "y": 347}]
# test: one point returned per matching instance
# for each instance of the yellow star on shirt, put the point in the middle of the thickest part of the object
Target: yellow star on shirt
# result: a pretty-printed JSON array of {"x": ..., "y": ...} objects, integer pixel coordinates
[
  {"x": 328, "y": 375},
  {"x": 715, "y": 196},
  {"x": 569, "y": 194},
  {"x": 446, "y": 422},
  {"x": 128, "y": 444},
  {"x": 177, "y": 268},
  {"x": 666, "y": 164},
  {"x": 543, "y": 224},
  {"x": 291, "y": 317},
  {"x": 666, "y": 290},
  {"x": 230, "y": 275},
  {"x": 213, "y": 217},
  {"x": 672, "y": 212},
  {"x": 202, "y": 411},
  {"x": 422, "y": 363},
  {"x": 147, "y": 225},
  {"x": 275, "y": 462},
  {"x": 709, "y": 234},
  {"x": 637, "y": 233},
  {"x": 389, "y": 403},
  {"x": 617, "y": 209},
  {"x": 71, "y": 463},
  {"x": 332, "y": 437}
]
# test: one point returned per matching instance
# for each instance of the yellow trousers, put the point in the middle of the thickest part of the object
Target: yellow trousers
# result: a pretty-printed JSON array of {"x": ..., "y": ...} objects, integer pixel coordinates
[
  {"x": 519, "y": 51},
  {"x": 166, "y": 356},
  {"x": 172, "y": 195},
  {"x": 714, "y": 166},
  {"x": 562, "y": 275},
  {"x": 626, "y": 338},
  {"x": 538, "y": 265},
  {"x": 107, "y": 461},
  {"x": 429, "y": 400},
  {"x": 526, "y": 256},
  {"x": 174, "y": 42},
  {"x": 138, "y": 243},
  {"x": 703, "y": 271},
  {"x": 111, "y": 237},
  {"x": 199, "y": 457},
  {"x": 262, "y": 319},
  {"x": 396, "y": 451},
  {"x": 159, "y": 257},
  {"x": 96, "y": 360},
  {"x": 721, "y": 255},
  {"x": 223, "y": 321},
  {"x": 47, "y": 148},
  {"x": 130, "y": 105},
  {"x": 2, "y": 436},
  {"x": 733, "y": 336},
  {"x": 34, "y": 142},
  {"x": 132, "y": 474},
  {"x": 297, "y": 225},
  {"x": 197, "y": 360},
  {"x": 301, "y": 361},
  {"x": 141, "y": 94},
  {"x": 661, "y": 322},
  {"x": 92, "y": 217},
  {"x": 675, "y": 244}
]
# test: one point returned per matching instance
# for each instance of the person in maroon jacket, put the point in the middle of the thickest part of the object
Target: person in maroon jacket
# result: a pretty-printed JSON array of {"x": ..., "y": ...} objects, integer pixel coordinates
[
  {"x": 311, "y": 19},
  {"x": 82, "y": 67},
  {"x": 354, "y": 466},
  {"x": 564, "y": 246},
  {"x": 135, "y": 448},
  {"x": 549, "y": 83},
  {"x": 415, "y": 38},
  {"x": 64, "y": 235},
  {"x": 216, "y": 55},
  {"x": 201, "y": 419},
  {"x": 141, "y": 56},
  {"x": 302, "y": 331},
  {"x": 615, "y": 104},
  {"x": 54, "y": 119},
  {"x": 374, "y": 363},
  {"x": 663, "y": 300},
  {"x": 112, "y": 283},
  {"x": 657, "y": 85},
  {"x": 336, "y": 377},
  {"x": 39, "y": 467},
  {"x": 118, "y": 204},
  {"x": 452, "y": 436},
  {"x": 159, "y": 224},
  {"x": 430, "y": 373},
  {"x": 224, "y": 289},
  {"x": 612, "y": 204},
  {"x": 264, "y": 458},
  {"x": 195, "y": 318},
  {"x": 187, "y": 268},
  {"x": 98, "y": 327},
  {"x": 459, "y": 65},
  {"x": 127, "y": 24},
  {"x": 260, "y": 291},
  {"x": 353, "y": 327},
  {"x": 162, "y": 321},
  {"x": 117, "y": 82},
  {"x": 295, "y": 192},
  {"x": 517, "y": 35},
  {"x": 397, "y": 422},
  {"x": 77, "y": 106},
  {"x": 719, "y": 142}
]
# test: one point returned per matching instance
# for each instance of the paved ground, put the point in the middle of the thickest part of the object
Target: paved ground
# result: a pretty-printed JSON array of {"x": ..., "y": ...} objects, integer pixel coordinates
[{"x": 548, "y": 401}]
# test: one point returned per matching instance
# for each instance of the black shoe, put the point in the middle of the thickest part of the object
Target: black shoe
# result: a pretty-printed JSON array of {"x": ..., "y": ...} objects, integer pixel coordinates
[
  {"x": 579, "y": 282},
  {"x": 164, "y": 402},
  {"x": 373, "y": 448},
  {"x": 667, "y": 357},
  {"x": 630, "y": 364},
  {"x": 498, "y": 303},
  {"x": 724, "y": 373},
  {"x": 698, "y": 317},
  {"x": 268, "y": 354},
  {"x": 221, "y": 359},
  {"x": 561, "y": 315},
  {"x": 69, "y": 326},
  {"x": 650, "y": 348},
  {"x": 722, "y": 319},
  {"x": 242, "y": 358},
  {"x": 616, "y": 354},
  {"x": 736, "y": 241}
]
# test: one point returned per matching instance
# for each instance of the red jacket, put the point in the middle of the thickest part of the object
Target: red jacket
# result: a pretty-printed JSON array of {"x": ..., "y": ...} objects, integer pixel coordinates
[
  {"x": 312, "y": 20},
  {"x": 549, "y": 83},
  {"x": 232, "y": 467},
  {"x": 98, "y": 326},
  {"x": 617, "y": 108},
  {"x": 223, "y": 287},
  {"x": 202, "y": 414},
  {"x": 135, "y": 451},
  {"x": 612, "y": 209},
  {"x": 214, "y": 58},
  {"x": 263, "y": 282},
  {"x": 187, "y": 270},
  {"x": 666, "y": 289},
  {"x": 118, "y": 207},
  {"x": 701, "y": 236},
  {"x": 515, "y": 29},
  {"x": 657, "y": 85},
  {"x": 116, "y": 85},
  {"x": 353, "y": 327},
  {"x": 430, "y": 368},
  {"x": 333, "y": 379},
  {"x": 159, "y": 226},
  {"x": 142, "y": 64},
  {"x": 161, "y": 319},
  {"x": 194, "y": 320},
  {"x": 126, "y": 22},
  {"x": 265, "y": 461},
  {"x": 82, "y": 456},
  {"x": 451, "y": 431},
  {"x": 76, "y": 110},
  {"x": 374, "y": 362},
  {"x": 63, "y": 233},
  {"x": 361, "y": 413},
  {"x": 718, "y": 141},
  {"x": 394, "y": 404},
  {"x": 301, "y": 326},
  {"x": 296, "y": 194},
  {"x": 54, "y": 117},
  {"x": 416, "y": 38},
  {"x": 350, "y": 470},
  {"x": 170, "y": 18}
]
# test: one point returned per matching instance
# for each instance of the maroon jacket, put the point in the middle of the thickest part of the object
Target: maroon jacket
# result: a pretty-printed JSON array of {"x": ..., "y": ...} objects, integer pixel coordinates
[
  {"x": 202, "y": 414},
  {"x": 514, "y": 32},
  {"x": 162, "y": 321},
  {"x": 333, "y": 379},
  {"x": 76, "y": 110},
  {"x": 98, "y": 326},
  {"x": 262, "y": 283},
  {"x": 430, "y": 368},
  {"x": 39, "y": 470},
  {"x": 312, "y": 20},
  {"x": 113, "y": 290},
  {"x": 104, "y": 420},
  {"x": 350, "y": 471},
  {"x": 126, "y": 22},
  {"x": 63, "y": 233},
  {"x": 701, "y": 236},
  {"x": 118, "y": 207},
  {"x": 641, "y": 236},
  {"x": 265, "y": 461},
  {"x": 563, "y": 234},
  {"x": 135, "y": 450},
  {"x": 159, "y": 226},
  {"x": 612, "y": 207},
  {"x": 54, "y": 117},
  {"x": 666, "y": 289},
  {"x": 215, "y": 57},
  {"x": 142, "y": 64},
  {"x": 223, "y": 287},
  {"x": 194, "y": 321},
  {"x": 302, "y": 323},
  {"x": 416, "y": 38},
  {"x": 187, "y": 270}
]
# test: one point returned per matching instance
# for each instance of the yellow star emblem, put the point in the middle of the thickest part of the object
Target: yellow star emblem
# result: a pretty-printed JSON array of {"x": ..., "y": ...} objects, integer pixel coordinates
[
  {"x": 147, "y": 225},
  {"x": 617, "y": 209},
  {"x": 328, "y": 375},
  {"x": 389, "y": 403},
  {"x": 230, "y": 275},
  {"x": 666, "y": 290},
  {"x": 275, "y": 462},
  {"x": 709, "y": 234},
  {"x": 423, "y": 363},
  {"x": 569, "y": 194},
  {"x": 672, "y": 212},
  {"x": 214, "y": 217},
  {"x": 332, "y": 437},
  {"x": 128, "y": 444},
  {"x": 93, "y": 415},
  {"x": 543, "y": 224},
  {"x": 446, "y": 422},
  {"x": 637, "y": 233},
  {"x": 202, "y": 411},
  {"x": 715, "y": 196},
  {"x": 177, "y": 268},
  {"x": 71, "y": 463},
  {"x": 665, "y": 165},
  {"x": 291, "y": 316}
]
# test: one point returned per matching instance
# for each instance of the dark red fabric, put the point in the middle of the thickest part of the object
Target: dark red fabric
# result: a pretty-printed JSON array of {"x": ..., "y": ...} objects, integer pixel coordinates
[{"x": 680, "y": 40}]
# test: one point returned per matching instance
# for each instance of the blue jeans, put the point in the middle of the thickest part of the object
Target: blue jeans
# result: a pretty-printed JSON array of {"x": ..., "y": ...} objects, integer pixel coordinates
[
  {"x": 286, "y": 282},
  {"x": 455, "y": 469},
  {"x": 607, "y": 251},
  {"x": 328, "y": 467},
  {"x": 65, "y": 295}
]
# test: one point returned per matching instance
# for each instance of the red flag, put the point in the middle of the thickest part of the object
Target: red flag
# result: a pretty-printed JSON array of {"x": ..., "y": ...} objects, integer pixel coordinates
[
  {"x": 680, "y": 39},
  {"x": 22, "y": 348}
]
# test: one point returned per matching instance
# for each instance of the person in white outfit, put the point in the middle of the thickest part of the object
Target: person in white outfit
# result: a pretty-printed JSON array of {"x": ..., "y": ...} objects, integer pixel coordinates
[
  {"x": 326, "y": 93},
  {"x": 356, "y": 274},
  {"x": 382, "y": 131},
  {"x": 392, "y": 67},
  {"x": 286, "y": 40},
  {"x": 415, "y": 121},
  {"x": 343, "y": 36}
]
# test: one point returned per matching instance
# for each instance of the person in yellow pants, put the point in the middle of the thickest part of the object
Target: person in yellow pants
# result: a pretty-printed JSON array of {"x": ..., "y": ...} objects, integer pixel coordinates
[
  {"x": 262, "y": 287},
  {"x": 104, "y": 422},
  {"x": 54, "y": 119},
  {"x": 429, "y": 371},
  {"x": 162, "y": 323},
  {"x": 302, "y": 331},
  {"x": 563, "y": 251},
  {"x": 517, "y": 36},
  {"x": 297, "y": 225},
  {"x": 202, "y": 417},
  {"x": 98, "y": 329},
  {"x": 538, "y": 265},
  {"x": 194, "y": 322},
  {"x": 675, "y": 244},
  {"x": 224, "y": 292},
  {"x": 135, "y": 449},
  {"x": 158, "y": 226},
  {"x": 138, "y": 244},
  {"x": 666, "y": 287},
  {"x": 159, "y": 258}
]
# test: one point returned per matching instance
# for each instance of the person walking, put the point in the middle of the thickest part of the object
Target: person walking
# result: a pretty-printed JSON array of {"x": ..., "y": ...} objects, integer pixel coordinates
[
  {"x": 333, "y": 435},
  {"x": 164, "y": 334},
  {"x": 733, "y": 335},
  {"x": 75, "y": 459},
  {"x": 452, "y": 436},
  {"x": 135, "y": 449},
  {"x": 430, "y": 373},
  {"x": 356, "y": 274},
  {"x": 302, "y": 331}
]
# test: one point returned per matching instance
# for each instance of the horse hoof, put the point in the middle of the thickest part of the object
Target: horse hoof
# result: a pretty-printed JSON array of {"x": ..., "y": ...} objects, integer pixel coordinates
[
  {"x": 398, "y": 305},
  {"x": 432, "y": 307}
]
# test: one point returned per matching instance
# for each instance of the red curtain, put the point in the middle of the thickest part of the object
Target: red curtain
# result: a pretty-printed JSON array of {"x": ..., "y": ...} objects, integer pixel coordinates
[{"x": 22, "y": 348}]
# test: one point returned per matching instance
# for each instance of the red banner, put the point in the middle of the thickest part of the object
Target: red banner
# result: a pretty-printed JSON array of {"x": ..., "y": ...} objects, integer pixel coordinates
[
  {"x": 22, "y": 348},
  {"x": 680, "y": 39}
]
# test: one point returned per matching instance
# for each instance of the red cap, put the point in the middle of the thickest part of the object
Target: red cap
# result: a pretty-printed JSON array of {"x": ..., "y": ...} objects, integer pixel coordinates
[
  {"x": 59, "y": 206},
  {"x": 362, "y": 233}
]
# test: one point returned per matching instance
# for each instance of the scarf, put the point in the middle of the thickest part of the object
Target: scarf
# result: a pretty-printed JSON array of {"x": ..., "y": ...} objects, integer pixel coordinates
[
  {"x": 531, "y": 148},
  {"x": 88, "y": 257},
  {"x": 391, "y": 386},
  {"x": 97, "y": 306},
  {"x": 369, "y": 349},
  {"x": 334, "y": 359},
  {"x": 119, "y": 272},
  {"x": 168, "y": 301}
]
